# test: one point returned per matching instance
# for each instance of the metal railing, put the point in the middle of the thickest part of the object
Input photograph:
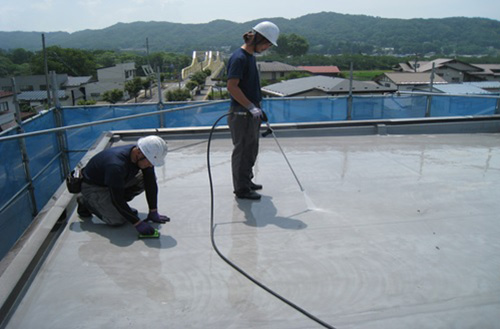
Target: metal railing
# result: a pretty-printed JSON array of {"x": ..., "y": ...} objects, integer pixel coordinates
[{"x": 34, "y": 163}]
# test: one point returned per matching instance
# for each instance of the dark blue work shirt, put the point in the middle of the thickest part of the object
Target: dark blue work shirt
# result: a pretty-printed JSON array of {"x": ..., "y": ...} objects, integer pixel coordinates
[
  {"x": 111, "y": 167},
  {"x": 243, "y": 66}
]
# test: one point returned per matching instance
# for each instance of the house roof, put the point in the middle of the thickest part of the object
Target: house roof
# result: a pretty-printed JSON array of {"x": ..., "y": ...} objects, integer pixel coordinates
[
  {"x": 461, "y": 89},
  {"x": 331, "y": 69},
  {"x": 488, "y": 69},
  {"x": 38, "y": 95},
  {"x": 484, "y": 84},
  {"x": 425, "y": 66},
  {"x": 276, "y": 67},
  {"x": 77, "y": 81},
  {"x": 412, "y": 78},
  {"x": 6, "y": 94},
  {"x": 328, "y": 85}
]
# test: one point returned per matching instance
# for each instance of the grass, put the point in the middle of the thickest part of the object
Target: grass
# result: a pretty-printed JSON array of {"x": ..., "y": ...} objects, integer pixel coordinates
[{"x": 365, "y": 75}]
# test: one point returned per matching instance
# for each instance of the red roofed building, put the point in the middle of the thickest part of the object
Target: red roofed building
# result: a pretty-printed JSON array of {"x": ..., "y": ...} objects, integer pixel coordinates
[{"x": 331, "y": 71}]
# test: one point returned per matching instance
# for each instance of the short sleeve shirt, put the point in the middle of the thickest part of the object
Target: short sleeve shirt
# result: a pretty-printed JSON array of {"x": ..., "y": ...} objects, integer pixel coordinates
[{"x": 243, "y": 66}]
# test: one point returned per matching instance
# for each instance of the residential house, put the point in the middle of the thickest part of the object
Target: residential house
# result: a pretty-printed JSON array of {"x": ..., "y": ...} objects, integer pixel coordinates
[
  {"x": 38, "y": 99},
  {"x": 33, "y": 88},
  {"x": 458, "y": 89},
  {"x": 109, "y": 78},
  {"x": 7, "y": 110},
  {"x": 451, "y": 70},
  {"x": 273, "y": 71},
  {"x": 323, "y": 86},
  {"x": 491, "y": 86},
  {"x": 329, "y": 71},
  {"x": 490, "y": 72},
  {"x": 75, "y": 88},
  {"x": 408, "y": 81}
]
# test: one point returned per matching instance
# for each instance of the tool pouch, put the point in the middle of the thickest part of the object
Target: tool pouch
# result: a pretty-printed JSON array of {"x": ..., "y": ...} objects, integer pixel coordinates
[{"x": 74, "y": 182}]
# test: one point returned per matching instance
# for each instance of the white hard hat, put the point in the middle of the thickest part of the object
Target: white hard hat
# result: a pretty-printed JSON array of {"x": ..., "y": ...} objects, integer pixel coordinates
[
  {"x": 269, "y": 31},
  {"x": 154, "y": 149}
]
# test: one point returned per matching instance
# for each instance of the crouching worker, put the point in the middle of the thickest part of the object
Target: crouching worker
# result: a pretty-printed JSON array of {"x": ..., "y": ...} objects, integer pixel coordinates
[{"x": 116, "y": 175}]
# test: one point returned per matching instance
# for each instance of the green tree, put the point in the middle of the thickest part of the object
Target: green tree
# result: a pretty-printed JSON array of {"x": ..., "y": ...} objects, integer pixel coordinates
[
  {"x": 133, "y": 87},
  {"x": 87, "y": 102},
  {"x": 105, "y": 58},
  {"x": 191, "y": 85},
  {"x": 74, "y": 62},
  {"x": 178, "y": 95},
  {"x": 199, "y": 77},
  {"x": 112, "y": 96},
  {"x": 292, "y": 45},
  {"x": 146, "y": 83},
  {"x": 20, "y": 56}
]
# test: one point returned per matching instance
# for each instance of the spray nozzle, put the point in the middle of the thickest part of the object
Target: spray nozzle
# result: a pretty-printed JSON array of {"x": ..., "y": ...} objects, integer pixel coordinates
[{"x": 268, "y": 131}]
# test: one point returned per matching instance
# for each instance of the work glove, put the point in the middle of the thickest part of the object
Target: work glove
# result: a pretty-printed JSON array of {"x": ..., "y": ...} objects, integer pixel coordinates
[
  {"x": 144, "y": 228},
  {"x": 155, "y": 217},
  {"x": 255, "y": 111}
]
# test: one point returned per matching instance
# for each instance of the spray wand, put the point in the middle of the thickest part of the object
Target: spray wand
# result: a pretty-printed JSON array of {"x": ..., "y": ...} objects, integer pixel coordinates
[{"x": 270, "y": 131}]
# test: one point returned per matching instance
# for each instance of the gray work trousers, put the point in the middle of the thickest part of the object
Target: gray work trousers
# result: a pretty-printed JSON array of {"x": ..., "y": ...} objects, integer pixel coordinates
[
  {"x": 98, "y": 199},
  {"x": 245, "y": 135}
]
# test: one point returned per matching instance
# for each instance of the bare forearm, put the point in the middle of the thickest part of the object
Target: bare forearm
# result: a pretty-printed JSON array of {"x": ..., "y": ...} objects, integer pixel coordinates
[{"x": 237, "y": 93}]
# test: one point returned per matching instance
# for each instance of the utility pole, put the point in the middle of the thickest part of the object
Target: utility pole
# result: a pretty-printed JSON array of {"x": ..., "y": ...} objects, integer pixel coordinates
[
  {"x": 349, "y": 98},
  {"x": 46, "y": 68},
  {"x": 149, "y": 66},
  {"x": 432, "y": 77}
]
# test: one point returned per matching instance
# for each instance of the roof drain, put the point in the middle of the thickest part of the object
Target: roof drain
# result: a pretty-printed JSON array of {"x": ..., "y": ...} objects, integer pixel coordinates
[
  {"x": 228, "y": 261},
  {"x": 381, "y": 129}
]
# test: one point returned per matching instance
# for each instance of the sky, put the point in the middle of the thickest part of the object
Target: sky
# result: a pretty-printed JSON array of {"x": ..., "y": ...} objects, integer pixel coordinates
[{"x": 77, "y": 15}]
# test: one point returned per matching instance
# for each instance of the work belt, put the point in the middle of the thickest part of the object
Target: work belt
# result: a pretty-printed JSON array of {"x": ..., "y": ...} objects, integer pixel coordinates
[{"x": 241, "y": 113}]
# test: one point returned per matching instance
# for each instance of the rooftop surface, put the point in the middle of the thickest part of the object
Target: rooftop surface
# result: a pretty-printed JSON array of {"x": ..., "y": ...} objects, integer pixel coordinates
[{"x": 395, "y": 231}]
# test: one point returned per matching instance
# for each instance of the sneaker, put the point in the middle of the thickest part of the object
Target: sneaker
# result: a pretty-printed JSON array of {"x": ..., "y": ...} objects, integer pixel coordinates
[
  {"x": 82, "y": 209},
  {"x": 255, "y": 187},
  {"x": 251, "y": 195}
]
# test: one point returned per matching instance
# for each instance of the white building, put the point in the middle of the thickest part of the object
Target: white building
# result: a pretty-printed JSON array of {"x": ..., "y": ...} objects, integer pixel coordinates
[
  {"x": 6, "y": 110},
  {"x": 110, "y": 78}
]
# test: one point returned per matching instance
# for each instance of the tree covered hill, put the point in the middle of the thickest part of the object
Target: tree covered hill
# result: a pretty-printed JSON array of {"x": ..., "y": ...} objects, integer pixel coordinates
[{"x": 326, "y": 32}]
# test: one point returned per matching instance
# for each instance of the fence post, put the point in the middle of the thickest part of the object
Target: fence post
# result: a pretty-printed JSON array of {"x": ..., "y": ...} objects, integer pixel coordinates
[
  {"x": 349, "y": 98},
  {"x": 428, "y": 107},
  {"x": 24, "y": 151},
  {"x": 61, "y": 136},
  {"x": 160, "y": 98}
]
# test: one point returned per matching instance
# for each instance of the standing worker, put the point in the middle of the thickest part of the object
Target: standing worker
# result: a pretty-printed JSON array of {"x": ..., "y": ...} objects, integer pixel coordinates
[
  {"x": 243, "y": 84},
  {"x": 118, "y": 174}
]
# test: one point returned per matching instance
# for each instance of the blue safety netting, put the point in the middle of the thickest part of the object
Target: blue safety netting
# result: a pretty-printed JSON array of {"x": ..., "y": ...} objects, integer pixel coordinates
[
  {"x": 17, "y": 208},
  {"x": 462, "y": 106},
  {"x": 305, "y": 110}
]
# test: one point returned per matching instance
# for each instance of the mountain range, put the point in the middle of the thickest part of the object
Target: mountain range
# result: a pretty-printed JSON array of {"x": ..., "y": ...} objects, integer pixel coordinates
[{"x": 326, "y": 32}]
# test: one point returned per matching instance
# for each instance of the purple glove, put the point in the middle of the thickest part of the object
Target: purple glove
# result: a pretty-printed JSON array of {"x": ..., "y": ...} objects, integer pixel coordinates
[
  {"x": 155, "y": 217},
  {"x": 144, "y": 228}
]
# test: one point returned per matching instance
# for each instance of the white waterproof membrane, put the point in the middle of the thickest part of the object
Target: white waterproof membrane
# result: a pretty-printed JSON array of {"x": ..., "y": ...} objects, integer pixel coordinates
[{"x": 389, "y": 232}]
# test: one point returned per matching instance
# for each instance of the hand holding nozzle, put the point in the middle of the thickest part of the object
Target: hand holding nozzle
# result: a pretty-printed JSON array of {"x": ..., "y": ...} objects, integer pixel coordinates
[
  {"x": 255, "y": 111},
  {"x": 269, "y": 129}
]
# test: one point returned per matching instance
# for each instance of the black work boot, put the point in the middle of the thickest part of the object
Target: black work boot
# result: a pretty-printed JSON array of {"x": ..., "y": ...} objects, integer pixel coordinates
[
  {"x": 251, "y": 195},
  {"x": 82, "y": 209},
  {"x": 255, "y": 187}
]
